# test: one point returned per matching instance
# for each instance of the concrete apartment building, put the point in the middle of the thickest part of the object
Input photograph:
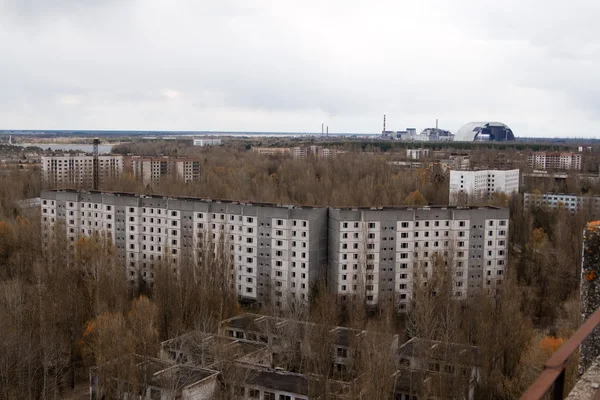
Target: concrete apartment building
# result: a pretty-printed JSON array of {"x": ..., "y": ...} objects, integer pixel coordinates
[
  {"x": 569, "y": 202},
  {"x": 253, "y": 357},
  {"x": 555, "y": 161},
  {"x": 207, "y": 142},
  {"x": 280, "y": 252},
  {"x": 376, "y": 252},
  {"x": 415, "y": 154},
  {"x": 151, "y": 170},
  {"x": 473, "y": 185},
  {"x": 77, "y": 170},
  {"x": 299, "y": 153},
  {"x": 456, "y": 162}
]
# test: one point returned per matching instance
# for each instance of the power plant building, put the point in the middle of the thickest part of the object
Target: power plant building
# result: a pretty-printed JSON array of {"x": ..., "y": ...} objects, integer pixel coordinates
[{"x": 484, "y": 132}]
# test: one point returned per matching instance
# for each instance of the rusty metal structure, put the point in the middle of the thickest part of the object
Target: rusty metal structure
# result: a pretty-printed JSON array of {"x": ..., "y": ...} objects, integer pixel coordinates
[{"x": 553, "y": 375}]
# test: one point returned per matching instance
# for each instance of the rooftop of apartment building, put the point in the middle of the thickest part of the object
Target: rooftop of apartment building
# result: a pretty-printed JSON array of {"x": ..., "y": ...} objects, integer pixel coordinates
[
  {"x": 436, "y": 350},
  {"x": 206, "y": 349},
  {"x": 554, "y": 153},
  {"x": 264, "y": 204},
  {"x": 273, "y": 325},
  {"x": 167, "y": 197},
  {"x": 161, "y": 374}
]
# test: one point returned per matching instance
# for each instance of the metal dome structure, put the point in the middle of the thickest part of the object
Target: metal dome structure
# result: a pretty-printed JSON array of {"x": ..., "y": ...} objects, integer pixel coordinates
[{"x": 483, "y": 132}]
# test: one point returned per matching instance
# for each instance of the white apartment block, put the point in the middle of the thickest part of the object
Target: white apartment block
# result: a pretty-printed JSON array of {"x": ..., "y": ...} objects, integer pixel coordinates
[
  {"x": 568, "y": 202},
  {"x": 376, "y": 252},
  {"x": 77, "y": 170},
  {"x": 153, "y": 169},
  {"x": 555, "y": 161},
  {"x": 279, "y": 252},
  {"x": 474, "y": 185},
  {"x": 207, "y": 142}
]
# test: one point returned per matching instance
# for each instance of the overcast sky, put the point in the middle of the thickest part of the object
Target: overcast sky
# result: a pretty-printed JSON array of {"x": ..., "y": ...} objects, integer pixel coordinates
[{"x": 282, "y": 65}]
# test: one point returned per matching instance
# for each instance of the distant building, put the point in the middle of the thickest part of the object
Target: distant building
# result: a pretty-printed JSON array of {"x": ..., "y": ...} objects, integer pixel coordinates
[
  {"x": 435, "y": 135},
  {"x": 271, "y": 151},
  {"x": 407, "y": 164},
  {"x": 299, "y": 153},
  {"x": 484, "y": 132},
  {"x": 409, "y": 134},
  {"x": 482, "y": 184},
  {"x": 325, "y": 152},
  {"x": 456, "y": 163},
  {"x": 555, "y": 161},
  {"x": 150, "y": 170},
  {"x": 207, "y": 142},
  {"x": 568, "y": 202},
  {"x": 415, "y": 154},
  {"x": 77, "y": 170}
]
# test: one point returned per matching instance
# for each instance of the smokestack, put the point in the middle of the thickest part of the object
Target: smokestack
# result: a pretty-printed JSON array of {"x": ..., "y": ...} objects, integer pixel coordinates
[
  {"x": 322, "y": 129},
  {"x": 327, "y": 130},
  {"x": 436, "y": 123},
  {"x": 383, "y": 122}
]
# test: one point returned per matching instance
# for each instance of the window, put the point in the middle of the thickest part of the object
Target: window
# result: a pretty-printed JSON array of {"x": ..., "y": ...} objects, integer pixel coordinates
[
  {"x": 342, "y": 352},
  {"x": 279, "y": 222},
  {"x": 404, "y": 224},
  {"x": 269, "y": 396},
  {"x": 371, "y": 225},
  {"x": 344, "y": 225}
]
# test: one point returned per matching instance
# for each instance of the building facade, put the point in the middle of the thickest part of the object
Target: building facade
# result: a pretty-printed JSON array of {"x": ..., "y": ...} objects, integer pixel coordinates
[
  {"x": 569, "y": 202},
  {"x": 376, "y": 252},
  {"x": 150, "y": 170},
  {"x": 555, "y": 161},
  {"x": 207, "y": 142},
  {"x": 415, "y": 154},
  {"x": 77, "y": 170},
  {"x": 281, "y": 252},
  {"x": 474, "y": 185}
]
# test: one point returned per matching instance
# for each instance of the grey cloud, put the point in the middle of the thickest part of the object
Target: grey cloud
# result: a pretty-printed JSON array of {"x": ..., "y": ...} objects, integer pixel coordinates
[{"x": 289, "y": 65}]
